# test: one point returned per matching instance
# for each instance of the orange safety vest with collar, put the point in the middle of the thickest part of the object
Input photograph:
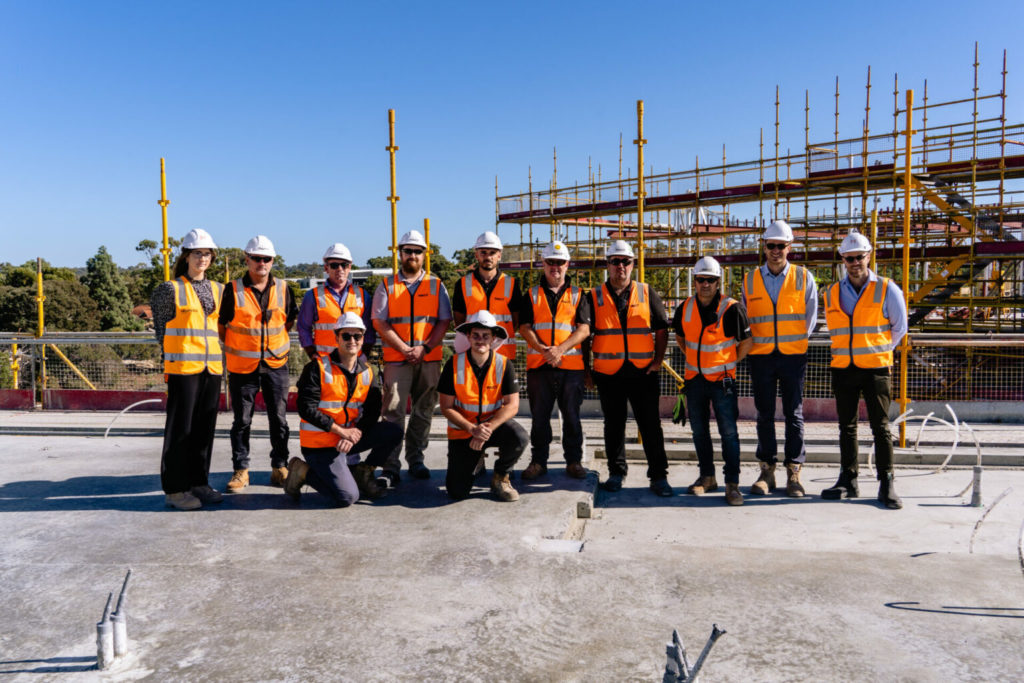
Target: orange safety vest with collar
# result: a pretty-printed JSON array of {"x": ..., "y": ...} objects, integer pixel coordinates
[
  {"x": 497, "y": 302},
  {"x": 708, "y": 351},
  {"x": 250, "y": 338},
  {"x": 553, "y": 330},
  {"x": 328, "y": 311},
  {"x": 613, "y": 345},
  {"x": 476, "y": 403},
  {"x": 191, "y": 344},
  {"x": 864, "y": 338},
  {"x": 780, "y": 324},
  {"x": 339, "y": 401},
  {"x": 413, "y": 317}
]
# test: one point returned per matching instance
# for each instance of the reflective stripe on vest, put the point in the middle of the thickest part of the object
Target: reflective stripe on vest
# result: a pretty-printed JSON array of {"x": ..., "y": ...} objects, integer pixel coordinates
[
  {"x": 249, "y": 338},
  {"x": 341, "y": 403},
  {"x": 477, "y": 404},
  {"x": 403, "y": 308},
  {"x": 552, "y": 331},
  {"x": 708, "y": 351},
  {"x": 780, "y": 324},
  {"x": 191, "y": 343},
  {"x": 864, "y": 338},
  {"x": 328, "y": 311},
  {"x": 497, "y": 302},
  {"x": 614, "y": 345}
]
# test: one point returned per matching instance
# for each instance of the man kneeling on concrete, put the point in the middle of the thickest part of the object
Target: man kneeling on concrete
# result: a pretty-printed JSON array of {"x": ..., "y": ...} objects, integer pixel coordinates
[
  {"x": 340, "y": 404},
  {"x": 480, "y": 396}
]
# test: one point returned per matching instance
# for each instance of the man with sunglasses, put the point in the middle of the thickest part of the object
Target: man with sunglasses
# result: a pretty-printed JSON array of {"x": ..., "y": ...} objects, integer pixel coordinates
[
  {"x": 486, "y": 288},
  {"x": 411, "y": 312},
  {"x": 323, "y": 305},
  {"x": 629, "y": 338},
  {"x": 867, "y": 318},
  {"x": 554, "y": 320},
  {"x": 782, "y": 304},
  {"x": 256, "y": 315},
  {"x": 713, "y": 332}
]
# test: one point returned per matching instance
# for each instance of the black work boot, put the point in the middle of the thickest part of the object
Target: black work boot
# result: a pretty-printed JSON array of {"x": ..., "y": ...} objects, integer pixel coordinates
[
  {"x": 845, "y": 487},
  {"x": 887, "y": 492}
]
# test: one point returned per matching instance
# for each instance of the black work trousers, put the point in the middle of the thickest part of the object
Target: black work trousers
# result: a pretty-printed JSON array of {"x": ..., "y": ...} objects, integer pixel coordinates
[
  {"x": 243, "y": 389},
  {"x": 642, "y": 392},
  {"x": 775, "y": 374},
  {"x": 329, "y": 472},
  {"x": 875, "y": 385},
  {"x": 545, "y": 387},
  {"x": 509, "y": 438},
  {"x": 188, "y": 432}
]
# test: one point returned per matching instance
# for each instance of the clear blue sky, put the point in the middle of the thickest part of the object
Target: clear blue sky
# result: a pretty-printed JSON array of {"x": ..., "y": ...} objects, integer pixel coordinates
[{"x": 273, "y": 115}]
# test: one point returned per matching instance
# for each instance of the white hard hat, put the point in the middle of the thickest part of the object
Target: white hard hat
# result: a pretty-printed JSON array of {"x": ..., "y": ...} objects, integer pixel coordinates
[
  {"x": 707, "y": 266},
  {"x": 854, "y": 241},
  {"x": 338, "y": 251},
  {"x": 778, "y": 230},
  {"x": 556, "y": 251},
  {"x": 413, "y": 238},
  {"x": 198, "y": 239},
  {"x": 488, "y": 240},
  {"x": 260, "y": 245},
  {"x": 619, "y": 248},
  {"x": 350, "y": 320},
  {"x": 482, "y": 318}
]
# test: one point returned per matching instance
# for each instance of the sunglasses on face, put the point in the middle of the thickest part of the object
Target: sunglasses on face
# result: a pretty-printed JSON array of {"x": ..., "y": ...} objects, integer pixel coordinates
[
  {"x": 854, "y": 259},
  {"x": 334, "y": 265},
  {"x": 262, "y": 259},
  {"x": 705, "y": 280},
  {"x": 775, "y": 246},
  {"x": 552, "y": 262},
  {"x": 620, "y": 262},
  {"x": 412, "y": 252},
  {"x": 349, "y": 336}
]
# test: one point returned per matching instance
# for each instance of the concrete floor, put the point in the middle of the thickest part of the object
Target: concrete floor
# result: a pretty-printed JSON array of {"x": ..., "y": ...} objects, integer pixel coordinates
[{"x": 415, "y": 588}]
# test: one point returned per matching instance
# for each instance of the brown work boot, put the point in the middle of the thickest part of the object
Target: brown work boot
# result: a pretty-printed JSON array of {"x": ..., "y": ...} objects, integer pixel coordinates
[
  {"x": 239, "y": 480},
  {"x": 502, "y": 489},
  {"x": 766, "y": 482},
  {"x": 702, "y": 485},
  {"x": 794, "y": 489},
  {"x": 296, "y": 477},
  {"x": 279, "y": 475},
  {"x": 576, "y": 470},
  {"x": 733, "y": 495},
  {"x": 366, "y": 481},
  {"x": 534, "y": 470}
]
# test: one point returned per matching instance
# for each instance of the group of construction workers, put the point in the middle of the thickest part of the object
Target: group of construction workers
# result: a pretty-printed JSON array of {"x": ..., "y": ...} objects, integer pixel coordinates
[{"x": 612, "y": 338}]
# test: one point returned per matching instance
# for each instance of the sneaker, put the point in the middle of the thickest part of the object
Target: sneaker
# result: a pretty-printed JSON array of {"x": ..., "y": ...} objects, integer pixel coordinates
[
  {"x": 296, "y": 478},
  {"x": 279, "y": 475},
  {"x": 702, "y": 485},
  {"x": 368, "y": 487},
  {"x": 419, "y": 471},
  {"x": 182, "y": 501},
  {"x": 613, "y": 483},
  {"x": 206, "y": 494},
  {"x": 733, "y": 495},
  {"x": 502, "y": 489},
  {"x": 239, "y": 480},
  {"x": 662, "y": 488},
  {"x": 388, "y": 479},
  {"x": 534, "y": 470},
  {"x": 575, "y": 470}
]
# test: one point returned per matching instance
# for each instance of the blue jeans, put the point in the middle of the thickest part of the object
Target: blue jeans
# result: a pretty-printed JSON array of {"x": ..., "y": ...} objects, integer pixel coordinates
[
  {"x": 772, "y": 374},
  {"x": 701, "y": 395},
  {"x": 545, "y": 387}
]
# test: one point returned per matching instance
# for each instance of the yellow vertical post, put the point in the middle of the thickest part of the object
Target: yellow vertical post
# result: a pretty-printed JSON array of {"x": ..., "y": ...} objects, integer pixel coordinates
[
  {"x": 905, "y": 343},
  {"x": 163, "y": 202},
  {"x": 426, "y": 238},
  {"x": 874, "y": 238},
  {"x": 393, "y": 197},
  {"x": 40, "y": 298},
  {"x": 227, "y": 268},
  {"x": 640, "y": 194},
  {"x": 14, "y": 364}
]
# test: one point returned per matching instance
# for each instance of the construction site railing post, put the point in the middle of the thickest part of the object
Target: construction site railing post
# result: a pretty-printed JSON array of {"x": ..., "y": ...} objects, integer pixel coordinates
[{"x": 905, "y": 342}]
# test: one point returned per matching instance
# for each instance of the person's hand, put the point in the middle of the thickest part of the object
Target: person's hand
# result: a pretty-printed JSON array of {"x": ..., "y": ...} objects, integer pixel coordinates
[
  {"x": 345, "y": 445},
  {"x": 588, "y": 379},
  {"x": 477, "y": 444},
  {"x": 482, "y": 431},
  {"x": 353, "y": 434},
  {"x": 655, "y": 366},
  {"x": 414, "y": 355},
  {"x": 552, "y": 355}
]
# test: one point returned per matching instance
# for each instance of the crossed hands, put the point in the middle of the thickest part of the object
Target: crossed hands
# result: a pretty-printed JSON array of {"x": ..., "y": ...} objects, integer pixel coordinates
[
  {"x": 552, "y": 355},
  {"x": 414, "y": 356},
  {"x": 481, "y": 433},
  {"x": 349, "y": 438}
]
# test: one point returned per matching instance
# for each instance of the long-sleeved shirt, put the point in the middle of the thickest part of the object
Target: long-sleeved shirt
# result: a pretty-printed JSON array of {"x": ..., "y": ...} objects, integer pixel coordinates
[
  {"x": 307, "y": 314},
  {"x": 773, "y": 285},
  {"x": 308, "y": 399},
  {"x": 894, "y": 309}
]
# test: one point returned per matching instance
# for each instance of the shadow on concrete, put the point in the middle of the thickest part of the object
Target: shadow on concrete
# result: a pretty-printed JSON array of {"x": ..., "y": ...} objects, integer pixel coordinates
[
  {"x": 641, "y": 497},
  {"x": 960, "y": 611},
  {"x": 53, "y": 665}
]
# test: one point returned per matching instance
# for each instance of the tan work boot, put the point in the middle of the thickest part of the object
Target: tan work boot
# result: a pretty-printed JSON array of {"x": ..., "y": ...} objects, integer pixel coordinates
[
  {"x": 239, "y": 480},
  {"x": 794, "y": 489},
  {"x": 182, "y": 501},
  {"x": 766, "y": 482},
  {"x": 733, "y": 495},
  {"x": 502, "y": 489},
  {"x": 366, "y": 481},
  {"x": 296, "y": 477},
  {"x": 533, "y": 470},
  {"x": 702, "y": 485},
  {"x": 279, "y": 475}
]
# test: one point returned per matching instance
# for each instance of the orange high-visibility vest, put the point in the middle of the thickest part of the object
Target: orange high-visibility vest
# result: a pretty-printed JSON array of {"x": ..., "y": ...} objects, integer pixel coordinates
[
  {"x": 413, "y": 317},
  {"x": 339, "y": 401},
  {"x": 476, "y": 403},
  {"x": 553, "y": 330},
  {"x": 612, "y": 345},
  {"x": 708, "y": 351},
  {"x": 865, "y": 338},
  {"x": 497, "y": 302},
  {"x": 327, "y": 313},
  {"x": 249, "y": 338},
  {"x": 778, "y": 324},
  {"x": 191, "y": 344}
]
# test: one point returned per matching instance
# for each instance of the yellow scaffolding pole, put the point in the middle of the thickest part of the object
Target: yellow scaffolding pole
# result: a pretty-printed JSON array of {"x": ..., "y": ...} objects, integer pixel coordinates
[
  {"x": 907, "y": 180},
  {"x": 426, "y": 238},
  {"x": 72, "y": 366},
  {"x": 640, "y": 194},
  {"x": 40, "y": 298},
  {"x": 393, "y": 197},
  {"x": 14, "y": 364},
  {"x": 163, "y": 202}
]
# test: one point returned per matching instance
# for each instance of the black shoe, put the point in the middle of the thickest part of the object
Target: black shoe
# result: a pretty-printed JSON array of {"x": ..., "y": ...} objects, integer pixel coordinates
[
  {"x": 419, "y": 471},
  {"x": 613, "y": 483},
  {"x": 388, "y": 479},
  {"x": 845, "y": 487},
  {"x": 887, "y": 493}
]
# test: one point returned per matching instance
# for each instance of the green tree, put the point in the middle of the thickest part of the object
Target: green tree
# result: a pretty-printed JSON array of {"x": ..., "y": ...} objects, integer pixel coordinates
[
  {"x": 142, "y": 279},
  {"x": 67, "y": 307},
  {"x": 25, "y": 274},
  {"x": 107, "y": 288}
]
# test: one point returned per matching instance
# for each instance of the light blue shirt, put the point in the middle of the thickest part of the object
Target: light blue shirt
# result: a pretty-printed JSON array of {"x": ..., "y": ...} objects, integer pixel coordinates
[
  {"x": 894, "y": 308},
  {"x": 773, "y": 285}
]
